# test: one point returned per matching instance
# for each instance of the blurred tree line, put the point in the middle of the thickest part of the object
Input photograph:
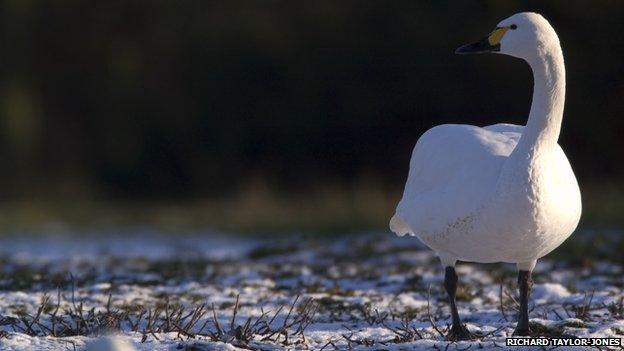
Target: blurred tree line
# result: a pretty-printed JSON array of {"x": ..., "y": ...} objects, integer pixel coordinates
[{"x": 192, "y": 99}]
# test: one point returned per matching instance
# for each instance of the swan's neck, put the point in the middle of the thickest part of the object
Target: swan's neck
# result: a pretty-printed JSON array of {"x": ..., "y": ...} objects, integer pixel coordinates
[{"x": 544, "y": 124}]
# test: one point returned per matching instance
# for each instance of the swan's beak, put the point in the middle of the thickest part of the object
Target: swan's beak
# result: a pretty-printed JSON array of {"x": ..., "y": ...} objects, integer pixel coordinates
[
  {"x": 491, "y": 43},
  {"x": 478, "y": 47}
]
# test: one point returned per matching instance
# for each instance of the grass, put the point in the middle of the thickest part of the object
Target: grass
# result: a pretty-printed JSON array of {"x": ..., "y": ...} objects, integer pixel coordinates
[
  {"x": 59, "y": 317},
  {"x": 545, "y": 331},
  {"x": 341, "y": 297},
  {"x": 258, "y": 208},
  {"x": 268, "y": 251},
  {"x": 603, "y": 205},
  {"x": 584, "y": 250},
  {"x": 64, "y": 315}
]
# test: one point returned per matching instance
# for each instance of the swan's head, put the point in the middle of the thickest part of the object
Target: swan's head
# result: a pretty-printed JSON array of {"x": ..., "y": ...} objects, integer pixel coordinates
[{"x": 524, "y": 35}]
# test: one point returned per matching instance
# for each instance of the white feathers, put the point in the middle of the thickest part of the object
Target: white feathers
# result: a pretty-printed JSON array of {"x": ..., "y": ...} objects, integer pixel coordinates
[{"x": 502, "y": 192}]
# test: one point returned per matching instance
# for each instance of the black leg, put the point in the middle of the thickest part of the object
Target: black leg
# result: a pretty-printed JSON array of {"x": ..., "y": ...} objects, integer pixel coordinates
[
  {"x": 524, "y": 284},
  {"x": 458, "y": 330}
]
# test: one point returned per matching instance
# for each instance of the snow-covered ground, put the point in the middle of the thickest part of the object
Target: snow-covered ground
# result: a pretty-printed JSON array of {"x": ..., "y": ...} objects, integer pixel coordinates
[{"x": 364, "y": 292}]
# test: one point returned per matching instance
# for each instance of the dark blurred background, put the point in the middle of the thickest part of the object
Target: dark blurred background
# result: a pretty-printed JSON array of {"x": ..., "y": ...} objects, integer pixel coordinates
[{"x": 268, "y": 115}]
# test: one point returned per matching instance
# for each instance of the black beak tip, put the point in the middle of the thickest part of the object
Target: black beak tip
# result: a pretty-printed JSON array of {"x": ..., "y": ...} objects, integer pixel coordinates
[
  {"x": 471, "y": 48},
  {"x": 479, "y": 47},
  {"x": 461, "y": 50}
]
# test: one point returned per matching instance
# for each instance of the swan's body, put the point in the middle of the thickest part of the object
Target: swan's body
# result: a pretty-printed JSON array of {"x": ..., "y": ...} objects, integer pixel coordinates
[
  {"x": 468, "y": 199},
  {"x": 501, "y": 193}
]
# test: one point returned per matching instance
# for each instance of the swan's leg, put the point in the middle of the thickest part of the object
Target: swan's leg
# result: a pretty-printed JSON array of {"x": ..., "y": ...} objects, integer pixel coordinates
[
  {"x": 458, "y": 330},
  {"x": 524, "y": 285}
]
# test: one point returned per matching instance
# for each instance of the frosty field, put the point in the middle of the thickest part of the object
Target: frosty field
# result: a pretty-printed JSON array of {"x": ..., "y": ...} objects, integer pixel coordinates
[{"x": 217, "y": 292}]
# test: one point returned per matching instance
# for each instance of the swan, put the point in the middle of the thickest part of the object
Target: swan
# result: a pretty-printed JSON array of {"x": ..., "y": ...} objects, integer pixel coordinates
[{"x": 500, "y": 193}]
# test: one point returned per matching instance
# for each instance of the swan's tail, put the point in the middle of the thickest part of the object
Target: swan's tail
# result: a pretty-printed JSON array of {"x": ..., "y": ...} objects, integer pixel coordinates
[{"x": 398, "y": 226}]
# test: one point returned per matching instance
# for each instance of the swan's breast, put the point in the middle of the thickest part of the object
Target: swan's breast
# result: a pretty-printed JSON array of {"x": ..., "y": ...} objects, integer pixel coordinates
[{"x": 537, "y": 204}]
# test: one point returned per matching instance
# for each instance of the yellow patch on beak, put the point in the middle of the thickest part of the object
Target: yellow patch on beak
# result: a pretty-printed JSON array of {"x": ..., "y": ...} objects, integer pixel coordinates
[{"x": 496, "y": 36}]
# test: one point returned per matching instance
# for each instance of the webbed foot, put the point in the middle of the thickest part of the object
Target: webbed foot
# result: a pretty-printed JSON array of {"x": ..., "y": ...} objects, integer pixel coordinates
[{"x": 459, "y": 332}]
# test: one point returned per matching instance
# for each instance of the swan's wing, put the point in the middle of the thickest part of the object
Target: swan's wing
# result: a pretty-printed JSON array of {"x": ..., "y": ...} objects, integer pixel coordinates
[
  {"x": 506, "y": 128},
  {"x": 453, "y": 169}
]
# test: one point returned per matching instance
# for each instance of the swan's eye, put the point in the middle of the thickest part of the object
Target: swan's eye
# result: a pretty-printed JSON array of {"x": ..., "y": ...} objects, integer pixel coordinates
[{"x": 513, "y": 26}]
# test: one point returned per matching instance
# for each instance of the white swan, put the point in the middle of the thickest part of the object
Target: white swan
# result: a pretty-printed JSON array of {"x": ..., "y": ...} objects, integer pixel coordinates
[{"x": 501, "y": 193}]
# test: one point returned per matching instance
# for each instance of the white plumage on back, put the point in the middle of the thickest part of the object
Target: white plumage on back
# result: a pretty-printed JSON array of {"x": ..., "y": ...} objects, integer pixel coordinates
[{"x": 451, "y": 173}]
